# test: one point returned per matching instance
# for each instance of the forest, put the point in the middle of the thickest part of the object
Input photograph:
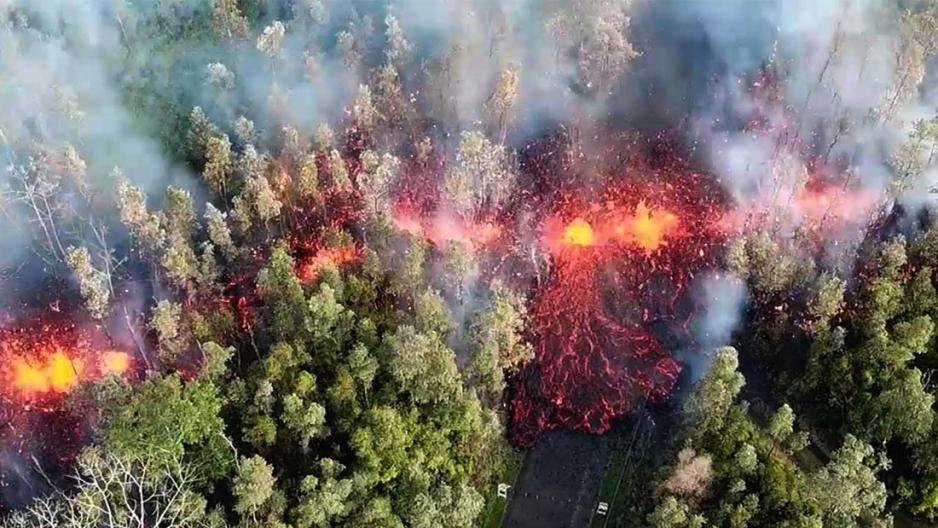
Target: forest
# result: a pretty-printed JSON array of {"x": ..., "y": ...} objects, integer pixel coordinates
[{"x": 320, "y": 263}]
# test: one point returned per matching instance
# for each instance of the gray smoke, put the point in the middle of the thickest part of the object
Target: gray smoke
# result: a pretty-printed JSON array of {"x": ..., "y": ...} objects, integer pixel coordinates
[{"x": 18, "y": 479}]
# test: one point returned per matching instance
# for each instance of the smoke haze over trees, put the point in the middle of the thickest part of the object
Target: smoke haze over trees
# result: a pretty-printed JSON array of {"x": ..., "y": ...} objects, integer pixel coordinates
[{"x": 310, "y": 263}]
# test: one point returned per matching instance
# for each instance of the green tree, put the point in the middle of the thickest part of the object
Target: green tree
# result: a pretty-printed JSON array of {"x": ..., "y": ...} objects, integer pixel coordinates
[
  {"x": 146, "y": 228},
  {"x": 282, "y": 293},
  {"x": 305, "y": 419},
  {"x": 325, "y": 500},
  {"x": 376, "y": 513},
  {"x": 906, "y": 408},
  {"x": 167, "y": 420},
  {"x": 329, "y": 324},
  {"x": 381, "y": 444},
  {"x": 218, "y": 164},
  {"x": 363, "y": 367},
  {"x": 93, "y": 283},
  {"x": 431, "y": 315},
  {"x": 218, "y": 231},
  {"x": 253, "y": 486},
  {"x": 407, "y": 278},
  {"x": 670, "y": 513},
  {"x": 847, "y": 491},
  {"x": 708, "y": 407},
  {"x": 215, "y": 361},
  {"x": 422, "y": 365},
  {"x": 827, "y": 299},
  {"x": 781, "y": 426}
]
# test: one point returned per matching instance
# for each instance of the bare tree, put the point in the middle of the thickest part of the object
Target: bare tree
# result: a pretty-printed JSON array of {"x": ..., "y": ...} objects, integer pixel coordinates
[
  {"x": 691, "y": 475},
  {"x": 270, "y": 42},
  {"x": 35, "y": 188},
  {"x": 596, "y": 33},
  {"x": 117, "y": 492},
  {"x": 917, "y": 44}
]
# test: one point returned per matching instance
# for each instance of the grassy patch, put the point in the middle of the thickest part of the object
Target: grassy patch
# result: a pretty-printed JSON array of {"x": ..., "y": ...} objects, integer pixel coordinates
[
  {"x": 626, "y": 480},
  {"x": 496, "y": 506}
]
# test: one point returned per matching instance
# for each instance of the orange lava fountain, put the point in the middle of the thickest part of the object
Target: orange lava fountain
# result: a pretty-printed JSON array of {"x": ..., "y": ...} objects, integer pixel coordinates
[
  {"x": 648, "y": 228},
  {"x": 53, "y": 362},
  {"x": 54, "y": 373},
  {"x": 578, "y": 233}
]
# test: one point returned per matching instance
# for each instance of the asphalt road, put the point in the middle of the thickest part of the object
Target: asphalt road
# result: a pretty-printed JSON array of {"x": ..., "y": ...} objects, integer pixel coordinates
[{"x": 560, "y": 481}]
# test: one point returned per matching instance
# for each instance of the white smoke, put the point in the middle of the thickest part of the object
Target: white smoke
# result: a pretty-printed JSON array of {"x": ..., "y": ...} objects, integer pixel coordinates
[{"x": 720, "y": 299}]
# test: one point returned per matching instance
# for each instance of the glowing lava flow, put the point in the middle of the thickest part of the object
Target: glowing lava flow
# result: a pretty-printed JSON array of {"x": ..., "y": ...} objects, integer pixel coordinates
[
  {"x": 620, "y": 267},
  {"x": 589, "y": 367}
]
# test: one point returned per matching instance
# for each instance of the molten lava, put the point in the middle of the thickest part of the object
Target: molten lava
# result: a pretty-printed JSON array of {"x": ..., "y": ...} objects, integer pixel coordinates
[
  {"x": 579, "y": 233},
  {"x": 648, "y": 228},
  {"x": 589, "y": 366}
]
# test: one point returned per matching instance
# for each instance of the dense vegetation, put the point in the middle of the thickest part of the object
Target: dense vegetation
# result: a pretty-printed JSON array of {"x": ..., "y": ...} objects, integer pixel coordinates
[{"x": 304, "y": 361}]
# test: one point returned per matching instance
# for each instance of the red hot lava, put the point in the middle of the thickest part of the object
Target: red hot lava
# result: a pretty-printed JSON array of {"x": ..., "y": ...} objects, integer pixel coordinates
[
  {"x": 620, "y": 264},
  {"x": 43, "y": 364}
]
